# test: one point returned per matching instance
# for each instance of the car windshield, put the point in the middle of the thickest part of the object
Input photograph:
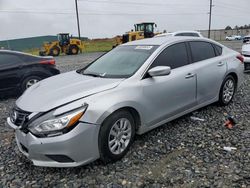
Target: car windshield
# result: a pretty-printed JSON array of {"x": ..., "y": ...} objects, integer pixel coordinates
[{"x": 121, "y": 62}]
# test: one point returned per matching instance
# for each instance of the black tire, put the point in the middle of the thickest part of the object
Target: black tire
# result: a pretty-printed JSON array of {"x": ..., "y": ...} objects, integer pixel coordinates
[
  {"x": 222, "y": 101},
  {"x": 73, "y": 50},
  {"x": 42, "y": 53},
  {"x": 106, "y": 154},
  {"x": 55, "y": 51},
  {"x": 27, "y": 80}
]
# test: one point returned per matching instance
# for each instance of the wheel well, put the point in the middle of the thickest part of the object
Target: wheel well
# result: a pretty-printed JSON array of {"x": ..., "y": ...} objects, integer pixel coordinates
[
  {"x": 234, "y": 75},
  {"x": 38, "y": 74},
  {"x": 135, "y": 115},
  {"x": 73, "y": 45}
]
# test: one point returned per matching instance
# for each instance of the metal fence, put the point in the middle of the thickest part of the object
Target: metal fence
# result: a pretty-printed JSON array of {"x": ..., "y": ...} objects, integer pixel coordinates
[{"x": 221, "y": 34}]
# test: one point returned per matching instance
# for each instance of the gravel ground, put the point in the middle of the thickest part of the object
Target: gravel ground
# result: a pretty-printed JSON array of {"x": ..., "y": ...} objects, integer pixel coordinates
[{"x": 182, "y": 153}]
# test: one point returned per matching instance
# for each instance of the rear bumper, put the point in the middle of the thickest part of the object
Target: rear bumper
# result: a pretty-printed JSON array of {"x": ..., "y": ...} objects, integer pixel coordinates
[{"x": 76, "y": 148}]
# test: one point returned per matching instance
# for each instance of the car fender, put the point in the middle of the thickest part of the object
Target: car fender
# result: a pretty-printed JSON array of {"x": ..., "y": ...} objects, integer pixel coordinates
[{"x": 103, "y": 104}]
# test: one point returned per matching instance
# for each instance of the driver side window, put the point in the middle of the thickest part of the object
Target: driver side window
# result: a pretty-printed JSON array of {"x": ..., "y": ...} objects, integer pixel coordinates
[{"x": 173, "y": 56}]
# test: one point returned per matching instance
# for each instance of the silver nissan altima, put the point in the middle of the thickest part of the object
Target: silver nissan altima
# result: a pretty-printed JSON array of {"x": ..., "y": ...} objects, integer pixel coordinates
[{"x": 77, "y": 117}]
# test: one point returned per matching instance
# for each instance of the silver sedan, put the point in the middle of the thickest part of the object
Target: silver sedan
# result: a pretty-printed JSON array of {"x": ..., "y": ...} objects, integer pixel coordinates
[{"x": 77, "y": 117}]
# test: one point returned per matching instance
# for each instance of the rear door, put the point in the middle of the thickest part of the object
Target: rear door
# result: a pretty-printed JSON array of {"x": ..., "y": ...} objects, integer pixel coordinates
[
  {"x": 10, "y": 71},
  {"x": 210, "y": 68},
  {"x": 169, "y": 95}
]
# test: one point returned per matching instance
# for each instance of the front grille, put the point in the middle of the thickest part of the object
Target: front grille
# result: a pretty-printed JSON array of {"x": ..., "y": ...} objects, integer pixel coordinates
[{"x": 19, "y": 117}]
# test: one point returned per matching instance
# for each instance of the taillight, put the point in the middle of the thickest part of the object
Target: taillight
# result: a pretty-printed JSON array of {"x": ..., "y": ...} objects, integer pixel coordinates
[
  {"x": 48, "y": 62},
  {"x": 241, "y": 58}
]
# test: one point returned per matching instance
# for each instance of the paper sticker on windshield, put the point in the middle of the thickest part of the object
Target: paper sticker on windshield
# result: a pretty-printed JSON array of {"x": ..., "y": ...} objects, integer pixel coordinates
[{"x": 143, "y": 47}]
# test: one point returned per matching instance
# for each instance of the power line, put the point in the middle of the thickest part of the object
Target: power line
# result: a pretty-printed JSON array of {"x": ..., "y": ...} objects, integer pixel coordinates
[
  {"x": 229, "y": 4},
  {"x": 140, "y": 4},
  {"x": 94, "y": 13},
  {"x": 231, "y": 16},
  {"x": 233, "y": 8}
]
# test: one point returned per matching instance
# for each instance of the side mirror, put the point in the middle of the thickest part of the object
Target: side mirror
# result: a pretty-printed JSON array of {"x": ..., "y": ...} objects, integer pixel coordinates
[{"x": 159, "y": 71}]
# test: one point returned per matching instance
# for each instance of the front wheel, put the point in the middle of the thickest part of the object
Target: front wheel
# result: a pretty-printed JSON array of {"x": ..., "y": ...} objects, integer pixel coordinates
[
  {"x": 73, "y": 50},
  {"x": 116, "y": 135},
  {"x": 227, "y": 90},
  {"x": 55, "y": 51},
  {"x": 29, "y": 81}
]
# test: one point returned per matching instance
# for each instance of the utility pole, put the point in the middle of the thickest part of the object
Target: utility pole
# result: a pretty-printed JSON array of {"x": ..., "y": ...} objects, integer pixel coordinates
[
  {"x": 210, "y": 18},
  {"x": 77, "y": 17}
]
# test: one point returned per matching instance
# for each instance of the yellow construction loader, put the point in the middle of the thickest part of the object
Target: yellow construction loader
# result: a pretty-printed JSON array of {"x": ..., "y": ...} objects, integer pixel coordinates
[
  {"x": 142, "y": 31},
  {"x": 65, "y": 44}
]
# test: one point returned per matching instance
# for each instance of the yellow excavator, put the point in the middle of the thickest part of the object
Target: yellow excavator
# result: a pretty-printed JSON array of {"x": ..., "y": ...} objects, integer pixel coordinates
[
  {"x": 65, "y": 44},
  {"x": 142, "y": 31}
]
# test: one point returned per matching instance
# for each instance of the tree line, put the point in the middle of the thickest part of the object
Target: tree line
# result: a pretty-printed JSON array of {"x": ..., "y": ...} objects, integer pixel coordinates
[{"x": 238, "y": 27}]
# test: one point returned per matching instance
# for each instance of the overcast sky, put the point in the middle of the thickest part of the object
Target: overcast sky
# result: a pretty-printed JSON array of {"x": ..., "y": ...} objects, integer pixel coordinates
[{"x": 107, "y": 18}]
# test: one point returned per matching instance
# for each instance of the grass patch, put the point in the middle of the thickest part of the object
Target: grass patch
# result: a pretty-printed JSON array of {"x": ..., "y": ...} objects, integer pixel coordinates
[
  {"x": 96, "y": 45},
  {"x": 34, "y": 51}
]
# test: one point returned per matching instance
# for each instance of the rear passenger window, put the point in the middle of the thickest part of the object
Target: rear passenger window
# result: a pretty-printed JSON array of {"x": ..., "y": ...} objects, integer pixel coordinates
[
  {"x": 188, "y": 34},
  {"x": 9, "y": 59},
  {"x": 173, "y": 56},
  {"x": 218, "y": 50},
  {"x": 195, "y": 35},
  {"x": 179, "y": 34},
  {"x": 201, "y": 50}
]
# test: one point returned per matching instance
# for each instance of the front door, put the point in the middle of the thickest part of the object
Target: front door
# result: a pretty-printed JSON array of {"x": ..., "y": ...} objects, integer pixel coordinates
[{"x": 169, "y": 95}]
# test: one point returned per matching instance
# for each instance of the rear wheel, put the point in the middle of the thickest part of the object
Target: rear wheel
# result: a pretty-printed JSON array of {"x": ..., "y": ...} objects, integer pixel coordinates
[
  {"x": 116, "y": 135},
  {"x": 29, "y": 81},
  {"x": 227, "y": 90},
  {"x": 55, "y": 51}
]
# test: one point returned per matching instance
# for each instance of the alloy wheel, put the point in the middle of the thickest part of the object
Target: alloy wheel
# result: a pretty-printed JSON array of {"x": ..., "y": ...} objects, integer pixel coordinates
[
  {"x": 119, "y": 136},
  {"x": 31, "y": 82},
  {"x": 228, "y": 90}
]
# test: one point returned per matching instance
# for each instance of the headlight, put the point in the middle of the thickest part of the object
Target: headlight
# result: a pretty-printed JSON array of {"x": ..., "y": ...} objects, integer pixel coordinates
[{"x": 57, "y": 126}]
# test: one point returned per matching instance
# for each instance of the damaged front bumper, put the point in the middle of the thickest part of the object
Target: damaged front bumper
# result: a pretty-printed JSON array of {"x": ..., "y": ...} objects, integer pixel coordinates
[{"x": 75, "y": 148}]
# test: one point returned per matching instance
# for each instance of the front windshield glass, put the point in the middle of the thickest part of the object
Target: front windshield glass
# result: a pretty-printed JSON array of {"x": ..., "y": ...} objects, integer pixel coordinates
[
  {"x": 121, "y": 62},
  {"x": 150, "y": 28},
  {"x": 140, "y": 27}
]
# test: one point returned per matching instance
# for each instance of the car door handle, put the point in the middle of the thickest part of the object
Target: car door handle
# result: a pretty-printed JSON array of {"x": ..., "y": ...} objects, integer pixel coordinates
[
  {"x": 189, "y": 75},
  {"x": 221, "y": 64}
]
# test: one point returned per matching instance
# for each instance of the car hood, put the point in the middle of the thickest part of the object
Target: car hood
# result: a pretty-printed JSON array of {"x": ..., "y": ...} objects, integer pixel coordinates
[{"x": 61, "y": 89}]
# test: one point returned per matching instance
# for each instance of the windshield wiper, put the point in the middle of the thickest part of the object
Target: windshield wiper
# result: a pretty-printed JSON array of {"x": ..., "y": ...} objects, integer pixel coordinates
[{"x": 93, "y": 74}]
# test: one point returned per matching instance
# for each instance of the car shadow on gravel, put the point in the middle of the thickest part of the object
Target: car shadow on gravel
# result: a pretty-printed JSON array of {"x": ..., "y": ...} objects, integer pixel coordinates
[{"x": 6, "y": 96}]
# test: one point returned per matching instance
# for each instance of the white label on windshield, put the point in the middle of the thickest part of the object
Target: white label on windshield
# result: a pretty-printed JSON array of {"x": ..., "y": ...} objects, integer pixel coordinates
[{"x": 143, "y": 47}]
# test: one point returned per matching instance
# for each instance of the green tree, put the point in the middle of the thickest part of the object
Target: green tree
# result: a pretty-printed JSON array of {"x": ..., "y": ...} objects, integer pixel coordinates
[{"x": 228, "y": 28}]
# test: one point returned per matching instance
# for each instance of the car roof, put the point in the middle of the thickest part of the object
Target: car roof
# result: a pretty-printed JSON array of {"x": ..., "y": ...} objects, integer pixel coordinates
[
  {"x": 22, "y": 53},
  {"x": 158, "y": 41},
  {"x": 177, "y": 32},
  {"x": 186, "y": 32}
]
